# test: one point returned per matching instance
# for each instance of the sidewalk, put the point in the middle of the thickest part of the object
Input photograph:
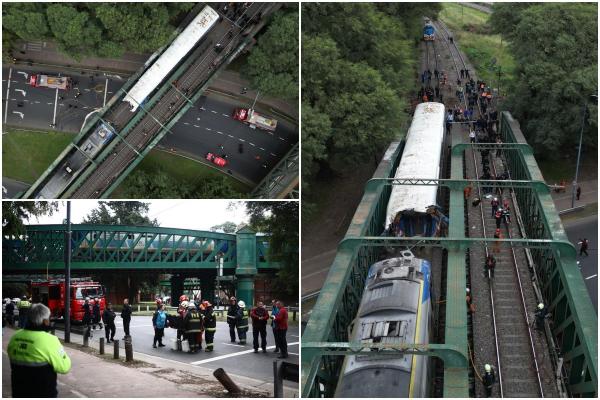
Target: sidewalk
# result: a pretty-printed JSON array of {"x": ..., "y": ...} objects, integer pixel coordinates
[
  {"x": 93, "y": 375},
  {"x": 589, "y": 194},
  {"x": 229, "y": 82}
]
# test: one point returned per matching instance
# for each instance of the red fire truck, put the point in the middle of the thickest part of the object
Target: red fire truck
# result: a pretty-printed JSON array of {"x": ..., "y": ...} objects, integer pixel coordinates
[
  {"x": 51, "y": 82},
  {"x": 52, "y": 294}
]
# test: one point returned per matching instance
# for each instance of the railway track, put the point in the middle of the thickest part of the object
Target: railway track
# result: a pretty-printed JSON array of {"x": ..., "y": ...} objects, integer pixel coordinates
[{"x": 511, "y": 293}]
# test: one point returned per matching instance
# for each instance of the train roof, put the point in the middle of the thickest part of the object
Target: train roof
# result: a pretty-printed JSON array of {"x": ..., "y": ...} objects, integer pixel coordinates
[
  {"x": 420, "y": 159},
  {"x": 181, "y": 46}
]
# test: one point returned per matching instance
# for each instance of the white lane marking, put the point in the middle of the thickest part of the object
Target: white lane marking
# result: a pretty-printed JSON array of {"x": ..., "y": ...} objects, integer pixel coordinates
[
  {"x": 239, "y": 353},
  {"x": 84, "y": 107},
  {"x": 49, "y": 103},
  {"x": 198, "y": 119},
  {"x": 22, "y": 92},
  {"x": 293, "y": 335},
  {"x": 220, "y": 133},
  {"x": 203, "y": 109},
  {"x": 36, "y": 102},
  {"x": 262, "y": 149},
  {"x": 109, "y": 92},
  {"x": 274, "y": 155},
  {"x": 196, "y": 126},
  {"x": 214, "y": 112},
  {"x": 105, "y": 92},
  {"x": 22, "y": 73},
  {"x": 186, "y": 123},
  {"x": 591, "y": 276},
  {"x": 19, "y": 114},
  {"x": 296, "y": 354},
  {"x": 75, "y": 392},
  {"x": 87, "y": 90},
  {"x": 55, "y": 103},
  {"x": 7, "y": 94},
  {"x": 241, "y": 140},
  {"x": 230, "y": 136},
  {"x": 252, "y": 144},
  {"x": 14, "y": 99},
  {"x": 208, "y": 129},
  {"x": 231, "y": 344},
  {"x": 225, "y": 115},
  {"x": 280, "y": 138}
]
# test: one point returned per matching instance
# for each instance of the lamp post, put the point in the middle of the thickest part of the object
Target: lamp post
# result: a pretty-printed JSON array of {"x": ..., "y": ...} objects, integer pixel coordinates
[
  {"x": 594, "y": 98},
  {"x": 67, "y": 313}
]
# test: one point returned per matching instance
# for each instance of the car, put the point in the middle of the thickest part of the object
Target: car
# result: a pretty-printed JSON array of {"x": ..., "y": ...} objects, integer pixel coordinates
[
  {"x": 69, "y": 169},
  {"x": 220, "y": 161}
]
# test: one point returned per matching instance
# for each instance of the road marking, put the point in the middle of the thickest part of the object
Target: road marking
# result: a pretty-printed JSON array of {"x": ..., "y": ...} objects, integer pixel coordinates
[
  {"x": 105, "y": 92},
  {"x": 231, "y": 344},
  {"x": 22, "y": 73},
  {"x": 241, "y": 140},
  {"x": 252, "y": 144},
  {"x": 186, "y": 123},
  {"x": 203, "y": 109},
  {"x": 22, "y": 92},
  {"x": 75, "y": 392},
  {"x": 19, "y": 113},
  {"x": 7, "y": 94},
  {"x": 591, "y": 276},
  {"x": 220, "y": 133},
  {"x": 225, "y": 115},
  {"x": 208, "y": 129},
  {"x": 239, "y": 353},
  {"x": 87, "y": 90},
  {"x": 293, "y": 335},
  {"x": 274, "y": 155},
  {"x": 36, "y": 102},
  {"x": 84, "y": 107},
  {"x": 214, "y": 112},
  {"x": 230, "y": 136},
  {"x": 198, "y": 119},
  {"x": 296, "y": 354},
  {"x": 55, "y": 103},
  {"x": 14, "y": 99},
  {"x": 262, "y": 149},
  {"x": 280, "y": 138},
  {"x": 196, "y": 126},
  {"x": 49, "y": 103}
]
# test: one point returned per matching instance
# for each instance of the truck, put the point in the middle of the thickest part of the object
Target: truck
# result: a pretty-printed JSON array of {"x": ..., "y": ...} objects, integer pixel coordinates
[
  {"x": 52, "y": 294},
  {"x": 51, "y": 82},
  {"x": 254, "y": 119}
]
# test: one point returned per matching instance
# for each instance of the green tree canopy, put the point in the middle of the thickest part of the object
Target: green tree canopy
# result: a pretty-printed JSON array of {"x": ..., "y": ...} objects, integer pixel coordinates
[
  {"x": 121, "y": 213},
  {"x": 15, "y": 212},
  {"x": 272, "y": 66},
  {"x": 225, "y": 227}
]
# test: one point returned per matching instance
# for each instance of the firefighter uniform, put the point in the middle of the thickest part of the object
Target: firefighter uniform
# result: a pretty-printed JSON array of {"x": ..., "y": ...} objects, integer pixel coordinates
[
  {"x": 193, "y": 328},
  {"x": 242, "y": 322},
  {"x": 35, "y": 358},
  {"x": 210, "y": 327},
  {"x": 24, "y": 305},
  {"x": 232, "y": 312}
]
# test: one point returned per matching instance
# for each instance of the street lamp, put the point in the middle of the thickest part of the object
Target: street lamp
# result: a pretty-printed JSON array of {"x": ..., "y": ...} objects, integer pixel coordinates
[
  {"x": 67, "y": 312},
  {"x": 594, "y": 98}
]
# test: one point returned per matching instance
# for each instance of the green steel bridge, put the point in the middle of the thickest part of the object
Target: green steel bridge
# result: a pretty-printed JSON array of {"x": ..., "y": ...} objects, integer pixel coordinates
[
  {"x": 129, "y": 249},
  {"x": 575, "y": 324}
]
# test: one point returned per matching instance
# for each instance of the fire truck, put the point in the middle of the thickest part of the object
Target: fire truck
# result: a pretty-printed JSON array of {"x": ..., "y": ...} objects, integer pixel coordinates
[
  {"x": 254, "y": 119},
  {"x": 52, "y": 294},
  {"x": 52, "y": 82}
]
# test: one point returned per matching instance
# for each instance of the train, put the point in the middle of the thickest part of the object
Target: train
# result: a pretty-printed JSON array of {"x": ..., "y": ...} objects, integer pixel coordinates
[
  {"x": 412, "y": 209},
  {"x": 428, "y": 31},
  {"x": 395, "y": 309}
]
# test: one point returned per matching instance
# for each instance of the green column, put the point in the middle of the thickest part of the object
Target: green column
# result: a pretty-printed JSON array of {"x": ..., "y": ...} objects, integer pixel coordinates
[
  {"x": 246, "y": 265},
  {"x": 176, "y": 289},
  {"x": 207, "y": 286}
]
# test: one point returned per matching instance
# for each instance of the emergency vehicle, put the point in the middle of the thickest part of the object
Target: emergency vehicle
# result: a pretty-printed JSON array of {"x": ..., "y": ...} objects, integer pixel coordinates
[
  {"x": 254, "y": 119},
  {"x": 52, "y": 294},
  {"x": 51, "y": 82}
]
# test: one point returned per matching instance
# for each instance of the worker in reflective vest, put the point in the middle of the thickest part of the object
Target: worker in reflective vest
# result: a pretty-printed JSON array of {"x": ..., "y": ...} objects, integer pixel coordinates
[
  {"x": 242, "y": 322},
  {"x": 23, "y": 307},
  {"x": 210, "y": 325},
  {"x": 193, "y": 328}
]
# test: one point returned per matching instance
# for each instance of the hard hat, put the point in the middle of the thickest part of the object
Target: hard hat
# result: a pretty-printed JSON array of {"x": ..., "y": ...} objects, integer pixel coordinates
[
  {"x": 468, "y": 290},
  {"x": 495, "y": 199},
  {"x": 184, "y": 304},
  {"x": 541, "y": 306},
  {"x": 191, "y": 306},
  {"x": 208, "y": 304},
  {"x": 232, "y": 298},
  {"x": 241, "y": 304},
  {"x": 24, "y": 297},
  {"x": 183, "y": 297},
  {"x": 488, "y": 368}
]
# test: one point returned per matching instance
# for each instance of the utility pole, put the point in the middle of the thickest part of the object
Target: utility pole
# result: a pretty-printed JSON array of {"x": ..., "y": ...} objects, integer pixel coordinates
[
  {"x": 594, "y": 98},
  {"x": 257, "y": 93},
  {"x": 67, "y": 315}
]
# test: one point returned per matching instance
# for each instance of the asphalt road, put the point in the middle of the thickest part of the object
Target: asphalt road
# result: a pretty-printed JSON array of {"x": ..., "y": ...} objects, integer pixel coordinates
[
  {"x": 233, "y": 358},
  {"x": 11, "y": 187},
  {"x": 587, "y": 228}
]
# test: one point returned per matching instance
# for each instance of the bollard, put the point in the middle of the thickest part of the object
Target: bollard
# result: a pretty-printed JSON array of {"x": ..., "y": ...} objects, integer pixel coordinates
[
  {"x": 101, "y": 345},
  {"x": 116, "y": 350},
  {"x": 86, "y": 337},
  {"x": 128, "y": 349},
  {"x": 138, "y": 308},
  {"x": 278, "y": 379},
  {"x": 147, "y": 308},
  {"x": 226, "y": 381}
]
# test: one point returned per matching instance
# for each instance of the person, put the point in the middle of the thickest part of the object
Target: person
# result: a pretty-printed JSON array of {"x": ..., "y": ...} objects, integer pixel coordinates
[
  {"x": 489, "y": 378},
  {"x": 470, "y": 305},
  {"x": 193, "y": 327},
  {"x": 181, "y": 311},
  {"x": 449, "y": 121},
  {"x": 506, "y": 215},
  {"x": 232, "y": 317},
  {"x": 583, "y": 249},
  {"x": 159, "y": 322},
  {"x": 23, "y": 307},
  {"x": 495, "y": 204},
  {"x": 96, "y": 314},
  {"x": 498, "y": 217},
  {"x": 472, "y": 135},
  {"x": 578, "y": 192},
  {"x": 497, "y": 235},
  {"x": 108, "y": 317},
  {"x": 87, "y": 313},
  {"x": 467, "y": 191},
  {"x": 36, "y": 357},
  {"x": 490, "y": 265},
  {"x": 10, "y": 312},
  {"x": 242, "y": 322},
  {"x": 274, "y": 312},
  {"x": 540, "y": 316},
  {"x": 126, "y": 315},
  {"x": 210, "y": 326},
  {"x": 259, "y": 315},
  {"x": 281, "y": 321}
]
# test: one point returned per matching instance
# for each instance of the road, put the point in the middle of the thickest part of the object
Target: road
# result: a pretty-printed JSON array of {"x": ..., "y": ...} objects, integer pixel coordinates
[
  {"x": 12, "y": 188},
  {"x": 233, "y": 358},
  {"x": 587, "y": 228}
]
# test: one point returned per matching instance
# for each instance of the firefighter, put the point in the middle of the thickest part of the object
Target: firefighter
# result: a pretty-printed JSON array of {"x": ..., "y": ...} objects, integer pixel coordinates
[
  {"x": 210, "y": 325},
  {"x": 489, "y": 378},
  {"x": 495, "y": 204},
  {"x": 193, "y": 328},
  {"x": 108, "y": 317},
  {"x": 242, "y": 322},
  {"x": 498, "y": 217},
  {"x": 181, "y": 311},
  {"x": 23, "y": 307},
  {"x": 540, "y": 316},
  {"x": 232, "y": 317},
  {"x": 36, "y": 357},
  {"x": 96, "y": 314},
  {"x": 490, "y": 265},
  {"x": 470, "y": 305}
]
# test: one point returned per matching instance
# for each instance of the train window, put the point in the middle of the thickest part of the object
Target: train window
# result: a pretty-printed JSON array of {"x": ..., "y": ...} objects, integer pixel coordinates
[
  {"x": 82, "y": 293},
  {"x": 374, "y": 332}
]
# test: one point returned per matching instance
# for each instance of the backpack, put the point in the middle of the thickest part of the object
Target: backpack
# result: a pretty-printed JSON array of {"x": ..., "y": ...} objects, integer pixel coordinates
[{"x": 161, "y": 320}]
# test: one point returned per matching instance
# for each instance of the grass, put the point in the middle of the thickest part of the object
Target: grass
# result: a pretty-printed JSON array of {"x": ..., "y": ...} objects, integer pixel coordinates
[
  {"x": 182, "y": 170},
  {"x": 473, "y": 34},
  {"x": 564, "y": 169},
  {"x": 27, "y": 154}
]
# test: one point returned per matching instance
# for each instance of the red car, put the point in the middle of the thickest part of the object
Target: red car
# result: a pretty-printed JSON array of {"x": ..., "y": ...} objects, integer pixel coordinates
[{"x": 220, "y": 161}]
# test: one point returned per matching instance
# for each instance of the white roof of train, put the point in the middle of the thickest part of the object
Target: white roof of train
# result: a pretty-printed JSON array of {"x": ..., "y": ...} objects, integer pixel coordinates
[
  {"x": 420, "y": 159},
  {"x": 171, "y": 57}
]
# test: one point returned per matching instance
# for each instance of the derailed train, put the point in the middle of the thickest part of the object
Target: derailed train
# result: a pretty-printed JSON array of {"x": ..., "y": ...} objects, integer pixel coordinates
[{"x": 395, "y": 309}]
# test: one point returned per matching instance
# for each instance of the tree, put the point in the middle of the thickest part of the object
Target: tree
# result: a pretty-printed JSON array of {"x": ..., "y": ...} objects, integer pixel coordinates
[
  {"x": 14, "y": 212},
  {"x": 216, "y": 187},
  {"x": 272, "y": 66},
  {"x": 121, "y": 213},
  {"x": 281, "y": 221},
  {"x": 225, "y": 227}
]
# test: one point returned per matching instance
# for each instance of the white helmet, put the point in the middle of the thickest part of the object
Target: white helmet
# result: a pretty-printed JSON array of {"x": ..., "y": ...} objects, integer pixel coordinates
[
  {"x": 488, "y": 368},
  {"x": 191, "y": 306},
  {"x": 468, "y": 290},
  {"x": 541, "y": 306},
  {"x": 184, "y": 304},
  {"x": 241, "y": 304}
]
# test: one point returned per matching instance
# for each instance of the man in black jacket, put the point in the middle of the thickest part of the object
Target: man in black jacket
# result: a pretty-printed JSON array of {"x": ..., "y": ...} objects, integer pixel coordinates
[
  {"x": 232, "y": 312},
  {"x": 96, "y": 312},
  {"x": 126, "y": 315},
  {"x": 260, "y": 316},
  {"x": 108, "y": 317}
]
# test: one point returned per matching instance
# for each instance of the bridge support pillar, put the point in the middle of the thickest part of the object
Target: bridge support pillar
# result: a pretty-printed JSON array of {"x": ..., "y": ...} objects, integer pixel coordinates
[
  {"x": 246, "y": 265},
  {"x": 207, "y": 287},
  {"x": 176, "y": 289}
]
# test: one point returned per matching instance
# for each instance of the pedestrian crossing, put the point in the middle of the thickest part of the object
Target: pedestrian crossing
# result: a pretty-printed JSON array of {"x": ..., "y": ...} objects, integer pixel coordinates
[{"x": 35, "y": 46}]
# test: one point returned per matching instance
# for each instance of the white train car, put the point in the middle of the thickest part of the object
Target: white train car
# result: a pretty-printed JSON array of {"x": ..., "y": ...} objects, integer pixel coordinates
[
  {"x": 180, "y": 47},
  {"x": 411, "y": 209}
]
